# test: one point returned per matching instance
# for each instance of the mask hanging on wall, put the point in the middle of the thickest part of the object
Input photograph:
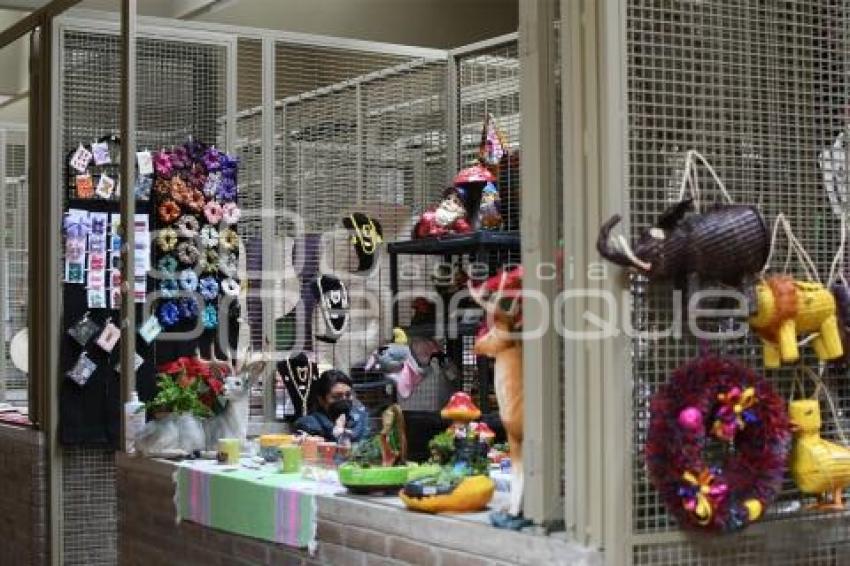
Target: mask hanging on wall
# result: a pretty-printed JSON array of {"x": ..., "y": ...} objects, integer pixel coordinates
[
  {"x": 333, "y": 304},
  {"x": 367, "y": 239}
]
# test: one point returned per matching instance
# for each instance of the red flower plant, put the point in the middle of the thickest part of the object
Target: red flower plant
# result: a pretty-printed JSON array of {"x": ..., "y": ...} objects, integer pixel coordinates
[{"x": 188, "y": 371}]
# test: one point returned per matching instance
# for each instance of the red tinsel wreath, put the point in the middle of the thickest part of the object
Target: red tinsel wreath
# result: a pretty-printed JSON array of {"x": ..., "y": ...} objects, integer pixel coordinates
[{"x": 717, "y": 444}]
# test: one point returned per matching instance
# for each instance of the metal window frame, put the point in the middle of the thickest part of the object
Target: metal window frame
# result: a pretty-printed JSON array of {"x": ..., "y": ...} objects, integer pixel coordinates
[
  {"x": 541, "y": 444},
  {"x": 598, "y": 372}
]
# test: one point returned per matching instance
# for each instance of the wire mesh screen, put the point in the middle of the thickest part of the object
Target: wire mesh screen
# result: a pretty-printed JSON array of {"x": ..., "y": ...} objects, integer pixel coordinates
[
  {"x": 249, "y": 150},
  {"x": 488, "y": 83},
  {"x": 90, "y": 507},
  {"x": 760, "y": 89},
  {"x": 354, "y": 132},
  {"x": 181, "y": 93},
  {"x": 14, "y": 248}
]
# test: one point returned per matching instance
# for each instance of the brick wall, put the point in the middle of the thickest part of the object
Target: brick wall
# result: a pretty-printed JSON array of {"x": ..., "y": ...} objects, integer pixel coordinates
[
  {"x": 23, "y": 496},
  {"x": 350, "y": 533}
]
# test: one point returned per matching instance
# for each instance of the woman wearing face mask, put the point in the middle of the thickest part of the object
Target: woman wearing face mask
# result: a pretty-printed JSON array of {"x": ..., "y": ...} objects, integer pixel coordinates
[{"x": 335, "y": 413}]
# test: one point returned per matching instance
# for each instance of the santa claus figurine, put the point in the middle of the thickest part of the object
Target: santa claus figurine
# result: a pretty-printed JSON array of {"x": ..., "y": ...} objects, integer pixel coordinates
[{"x": 449, "y": 217}]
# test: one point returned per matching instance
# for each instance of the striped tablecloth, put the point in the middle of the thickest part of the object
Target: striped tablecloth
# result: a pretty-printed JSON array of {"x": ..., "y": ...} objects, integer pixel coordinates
[{"x": 262, "y": 504}]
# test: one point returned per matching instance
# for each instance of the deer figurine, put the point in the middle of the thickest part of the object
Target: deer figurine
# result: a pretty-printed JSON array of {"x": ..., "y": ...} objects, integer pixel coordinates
[
  {"x": 239, "y": 379},
  {"x": 499, "y": 343}
]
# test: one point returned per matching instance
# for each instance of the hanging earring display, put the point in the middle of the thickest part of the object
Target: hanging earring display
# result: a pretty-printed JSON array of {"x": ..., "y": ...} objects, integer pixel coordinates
[
  {"x": 83, "y": 330},
  {"x": 105, "y": 187},
  {"x": 81, "y": 159},
  {"x": 100, "y": 153},
  {"x": 137, "y": 363},
  {"x": 145, "y": 163},
  {"x": 108, "y": 337},
  {"x": 84, "y": 186},
  {"x": 82, "y": 370},
  {"x": 150, "y": 329}
]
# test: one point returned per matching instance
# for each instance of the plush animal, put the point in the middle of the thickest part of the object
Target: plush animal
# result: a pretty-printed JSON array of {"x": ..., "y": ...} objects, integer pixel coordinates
[
  {"x": 397, "y": 362},
  {"x": 786, "y": 309},
  {"x": 498, "y": 342},
  {"x": 819, "y": 467}
]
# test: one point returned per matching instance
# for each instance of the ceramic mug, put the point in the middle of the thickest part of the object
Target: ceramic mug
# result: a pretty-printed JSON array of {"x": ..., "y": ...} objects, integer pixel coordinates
[
  {"x": 228, "y": 451},
  {"x": 290, "y": 459}
]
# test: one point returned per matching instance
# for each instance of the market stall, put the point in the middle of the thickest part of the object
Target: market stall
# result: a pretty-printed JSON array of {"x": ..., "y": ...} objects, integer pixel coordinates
[{"x": 251, "y": 282}]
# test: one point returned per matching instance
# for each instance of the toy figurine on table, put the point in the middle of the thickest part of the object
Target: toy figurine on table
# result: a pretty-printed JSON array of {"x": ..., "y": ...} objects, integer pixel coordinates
[
  {"x": 462, "y": 485},
  {"x": 379, "y": 463}
]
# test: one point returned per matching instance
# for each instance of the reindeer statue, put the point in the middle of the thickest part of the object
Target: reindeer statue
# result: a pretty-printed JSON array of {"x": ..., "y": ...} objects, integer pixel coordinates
[
  {"x": 498, "y": 342},
  {"x": 239, "y": 378}
]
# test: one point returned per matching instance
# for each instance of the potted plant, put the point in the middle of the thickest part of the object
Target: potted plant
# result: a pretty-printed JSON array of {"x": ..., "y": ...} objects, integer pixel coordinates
[{"x": 188, "y": 390}]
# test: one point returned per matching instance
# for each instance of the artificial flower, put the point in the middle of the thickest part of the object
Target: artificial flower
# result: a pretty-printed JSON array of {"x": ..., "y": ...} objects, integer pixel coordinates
[
  {"x": 162, "y": 164},
  {"x": 208, "y": 287},
  {"x": 168, "y": 314},
  {"x": 226, "y": 190},
  {"x": 210, "y": 317},
  {"x": 212, "y": 159}
]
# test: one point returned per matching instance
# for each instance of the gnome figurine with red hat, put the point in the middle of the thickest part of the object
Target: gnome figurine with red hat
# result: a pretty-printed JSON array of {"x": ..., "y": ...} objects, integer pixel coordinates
[
  {"x": 449, "y": 217},
  {"x": 472, "y": 202}
]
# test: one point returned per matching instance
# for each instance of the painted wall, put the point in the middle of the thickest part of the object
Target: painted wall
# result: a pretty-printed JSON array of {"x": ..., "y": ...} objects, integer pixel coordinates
[{"x": 14, "y": 68}]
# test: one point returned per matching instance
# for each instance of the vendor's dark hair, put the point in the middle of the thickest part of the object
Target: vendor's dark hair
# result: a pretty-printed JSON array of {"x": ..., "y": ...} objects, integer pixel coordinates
[{"x": 326, "y": 382}]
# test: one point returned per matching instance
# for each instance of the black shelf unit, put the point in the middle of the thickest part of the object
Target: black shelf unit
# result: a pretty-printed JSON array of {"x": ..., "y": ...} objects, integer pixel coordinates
[{"x": 478, "y": 246}]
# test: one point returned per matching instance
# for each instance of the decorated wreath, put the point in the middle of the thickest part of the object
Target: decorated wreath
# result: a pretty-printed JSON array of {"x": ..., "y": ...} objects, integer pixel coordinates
[{"x": 717, "y": 444}]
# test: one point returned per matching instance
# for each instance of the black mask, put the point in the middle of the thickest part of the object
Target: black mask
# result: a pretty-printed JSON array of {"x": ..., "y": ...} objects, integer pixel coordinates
[{"x": 337, "y": 408}]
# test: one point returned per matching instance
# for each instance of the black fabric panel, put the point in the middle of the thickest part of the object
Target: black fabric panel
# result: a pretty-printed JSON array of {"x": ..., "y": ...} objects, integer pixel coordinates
[{"x": 91, "y": 415}]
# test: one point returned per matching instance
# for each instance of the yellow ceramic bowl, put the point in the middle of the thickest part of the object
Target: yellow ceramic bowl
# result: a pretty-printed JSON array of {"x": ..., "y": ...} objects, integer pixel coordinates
[
  {"x": 472, "y": 494},
  {"x": 268, "y": 440}
]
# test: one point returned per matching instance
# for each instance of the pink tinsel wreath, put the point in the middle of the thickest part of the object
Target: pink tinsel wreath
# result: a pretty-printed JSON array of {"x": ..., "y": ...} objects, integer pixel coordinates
[{"x": 717, "y": 444}]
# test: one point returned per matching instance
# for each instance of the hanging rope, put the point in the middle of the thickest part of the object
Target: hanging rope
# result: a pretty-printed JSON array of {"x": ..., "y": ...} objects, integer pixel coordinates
[
  {"x": 836, "y": 271},
  {"x": 794, "y": 245},
  {"x": 690, "y": 179}
]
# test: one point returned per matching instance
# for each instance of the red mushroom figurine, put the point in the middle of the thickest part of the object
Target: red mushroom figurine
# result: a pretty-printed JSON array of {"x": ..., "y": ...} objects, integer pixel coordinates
[
  {"x": 484, "y": 432},
  {"x": 460, "y": 409}
]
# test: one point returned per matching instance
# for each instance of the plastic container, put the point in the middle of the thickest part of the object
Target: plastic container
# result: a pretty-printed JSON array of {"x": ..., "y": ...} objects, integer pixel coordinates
[
  {"x": 290, "y": 458},
  {"x": 270, "y": 445},
  {"x": 134, "y": 422},
  {"x": 229, "y": 451}
]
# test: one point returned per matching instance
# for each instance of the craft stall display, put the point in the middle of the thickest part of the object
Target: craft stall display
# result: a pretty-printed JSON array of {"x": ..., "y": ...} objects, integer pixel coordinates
[
  {"x": 208, "y": 393},
  {"x": 197, "y": 243},
  {"x": 92, "y": 277},
  {"x": 720, "y": 437},
  {"x": 186, "y": 262}
]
